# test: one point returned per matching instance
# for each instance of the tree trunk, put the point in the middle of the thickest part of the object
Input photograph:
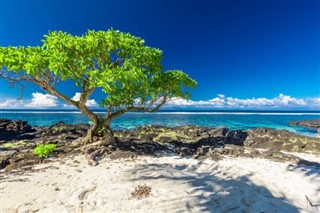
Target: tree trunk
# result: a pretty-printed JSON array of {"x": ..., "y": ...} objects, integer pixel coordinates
[
  {"x": 103, "y": 133},
  {"x": 101, "y": 128}
]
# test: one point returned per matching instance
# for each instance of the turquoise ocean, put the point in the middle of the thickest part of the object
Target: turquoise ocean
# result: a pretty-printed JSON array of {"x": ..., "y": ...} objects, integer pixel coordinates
[{"x": 231, "y": 119}]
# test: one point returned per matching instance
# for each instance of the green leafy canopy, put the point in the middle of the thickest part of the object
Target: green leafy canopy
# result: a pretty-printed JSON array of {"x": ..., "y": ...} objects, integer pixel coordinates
[{"x": 120, "y": 64}]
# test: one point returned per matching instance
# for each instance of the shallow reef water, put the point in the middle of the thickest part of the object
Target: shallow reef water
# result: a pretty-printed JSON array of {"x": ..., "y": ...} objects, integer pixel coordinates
[{"x": 232, "y": 120}]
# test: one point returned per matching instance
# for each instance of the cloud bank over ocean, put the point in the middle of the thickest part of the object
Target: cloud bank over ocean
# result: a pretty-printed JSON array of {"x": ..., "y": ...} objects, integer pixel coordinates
[
  {"x": 279, "y": 102},
  {"x": 46, "y": 101}
]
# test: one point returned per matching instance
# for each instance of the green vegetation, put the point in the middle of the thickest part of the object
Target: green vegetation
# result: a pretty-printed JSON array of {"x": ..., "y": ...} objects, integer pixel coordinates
[
  {"x": 120, "y": 65},
  {"x": 44, "y": 150}
]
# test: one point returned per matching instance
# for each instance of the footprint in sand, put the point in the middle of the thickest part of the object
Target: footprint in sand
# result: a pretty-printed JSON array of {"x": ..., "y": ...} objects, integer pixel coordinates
[{"x": 84, "y": 194}]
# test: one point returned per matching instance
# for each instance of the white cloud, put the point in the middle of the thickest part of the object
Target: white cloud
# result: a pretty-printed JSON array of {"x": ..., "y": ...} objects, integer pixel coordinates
[
  {"x": 90, "y": 102},
  {"x": 314, "y": 101},
  {"x": 40, "y": 100},
  {"x": 221, "y": 101},
  {"x": 221, "y": 96},
  {"x": 76, "y": 96},
  {"x": 11, "y": 103}
]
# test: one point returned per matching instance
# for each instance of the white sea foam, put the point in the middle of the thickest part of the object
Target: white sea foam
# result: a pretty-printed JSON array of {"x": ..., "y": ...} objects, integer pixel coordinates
[
  {"x": 169, "y": 113},
  {"x": 38, "y": 112},
  {"x": 231, "y": 113}
]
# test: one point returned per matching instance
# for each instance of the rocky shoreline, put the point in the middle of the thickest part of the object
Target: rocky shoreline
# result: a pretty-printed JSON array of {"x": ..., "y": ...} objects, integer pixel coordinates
[
  {"x": 18, "y": 139},
  {"x": 312, "y": 124}
]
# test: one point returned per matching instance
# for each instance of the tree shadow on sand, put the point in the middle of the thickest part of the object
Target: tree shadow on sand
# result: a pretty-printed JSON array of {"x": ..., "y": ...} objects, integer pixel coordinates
[
  {"x": 310, "y": 168},
  {"x": 207, "y": 191}
]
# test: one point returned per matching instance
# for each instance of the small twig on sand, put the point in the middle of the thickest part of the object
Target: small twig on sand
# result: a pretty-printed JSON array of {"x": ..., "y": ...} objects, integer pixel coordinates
[{"x": 309, "y": 201}]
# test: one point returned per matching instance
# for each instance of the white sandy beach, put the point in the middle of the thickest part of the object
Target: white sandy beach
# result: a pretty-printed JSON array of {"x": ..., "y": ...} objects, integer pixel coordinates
[{"x": 178, "y": 185}]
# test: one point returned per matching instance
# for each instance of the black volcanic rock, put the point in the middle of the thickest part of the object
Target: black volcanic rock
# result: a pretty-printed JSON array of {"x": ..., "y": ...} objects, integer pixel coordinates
[
  {"x": 186, "y": 140},
  {"x": 62, "y": 132},
  {"x": 198, "y": 142},
  {"x": 10, "y": 130},
  {"x": 281, "y": 140},
  {"x": 236, "y": 137},
  {"x": 313, "y": 124}
]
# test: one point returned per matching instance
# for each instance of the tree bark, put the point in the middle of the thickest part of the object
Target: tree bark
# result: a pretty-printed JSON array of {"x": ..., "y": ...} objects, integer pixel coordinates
[{"x": 101, "y": 128}]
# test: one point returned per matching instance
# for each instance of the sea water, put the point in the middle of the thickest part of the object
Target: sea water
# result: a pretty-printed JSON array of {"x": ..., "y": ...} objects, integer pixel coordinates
[{"x": 233, "y": 120}]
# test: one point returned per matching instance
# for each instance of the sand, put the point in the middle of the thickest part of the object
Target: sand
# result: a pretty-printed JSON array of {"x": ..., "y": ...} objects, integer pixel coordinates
[{"x": 177, "y": 185}]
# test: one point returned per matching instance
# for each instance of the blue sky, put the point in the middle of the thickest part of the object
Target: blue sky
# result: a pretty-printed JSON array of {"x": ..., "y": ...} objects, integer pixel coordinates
[{"x": 238, "y": 51}]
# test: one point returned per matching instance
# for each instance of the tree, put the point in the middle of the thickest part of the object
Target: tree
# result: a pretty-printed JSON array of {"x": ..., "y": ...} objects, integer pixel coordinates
[{"x": 127, "y": 71}]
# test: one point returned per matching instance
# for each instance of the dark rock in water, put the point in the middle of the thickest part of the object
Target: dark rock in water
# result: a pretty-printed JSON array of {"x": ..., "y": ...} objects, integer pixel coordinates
[
  {"x": 313, "y": 124},
  {"x": 10, "y": 130},
  {"x": 14, "y": 126}
]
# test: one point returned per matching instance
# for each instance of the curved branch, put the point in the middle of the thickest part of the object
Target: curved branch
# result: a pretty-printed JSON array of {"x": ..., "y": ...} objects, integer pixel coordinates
[
  {"x": 85, "y": 92},
  {"x": 15, "y": 80},
  {"x": 22, "y": 86},
  {"x": 51, "y": 90},
  {"x": 137, "y": 109}
]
